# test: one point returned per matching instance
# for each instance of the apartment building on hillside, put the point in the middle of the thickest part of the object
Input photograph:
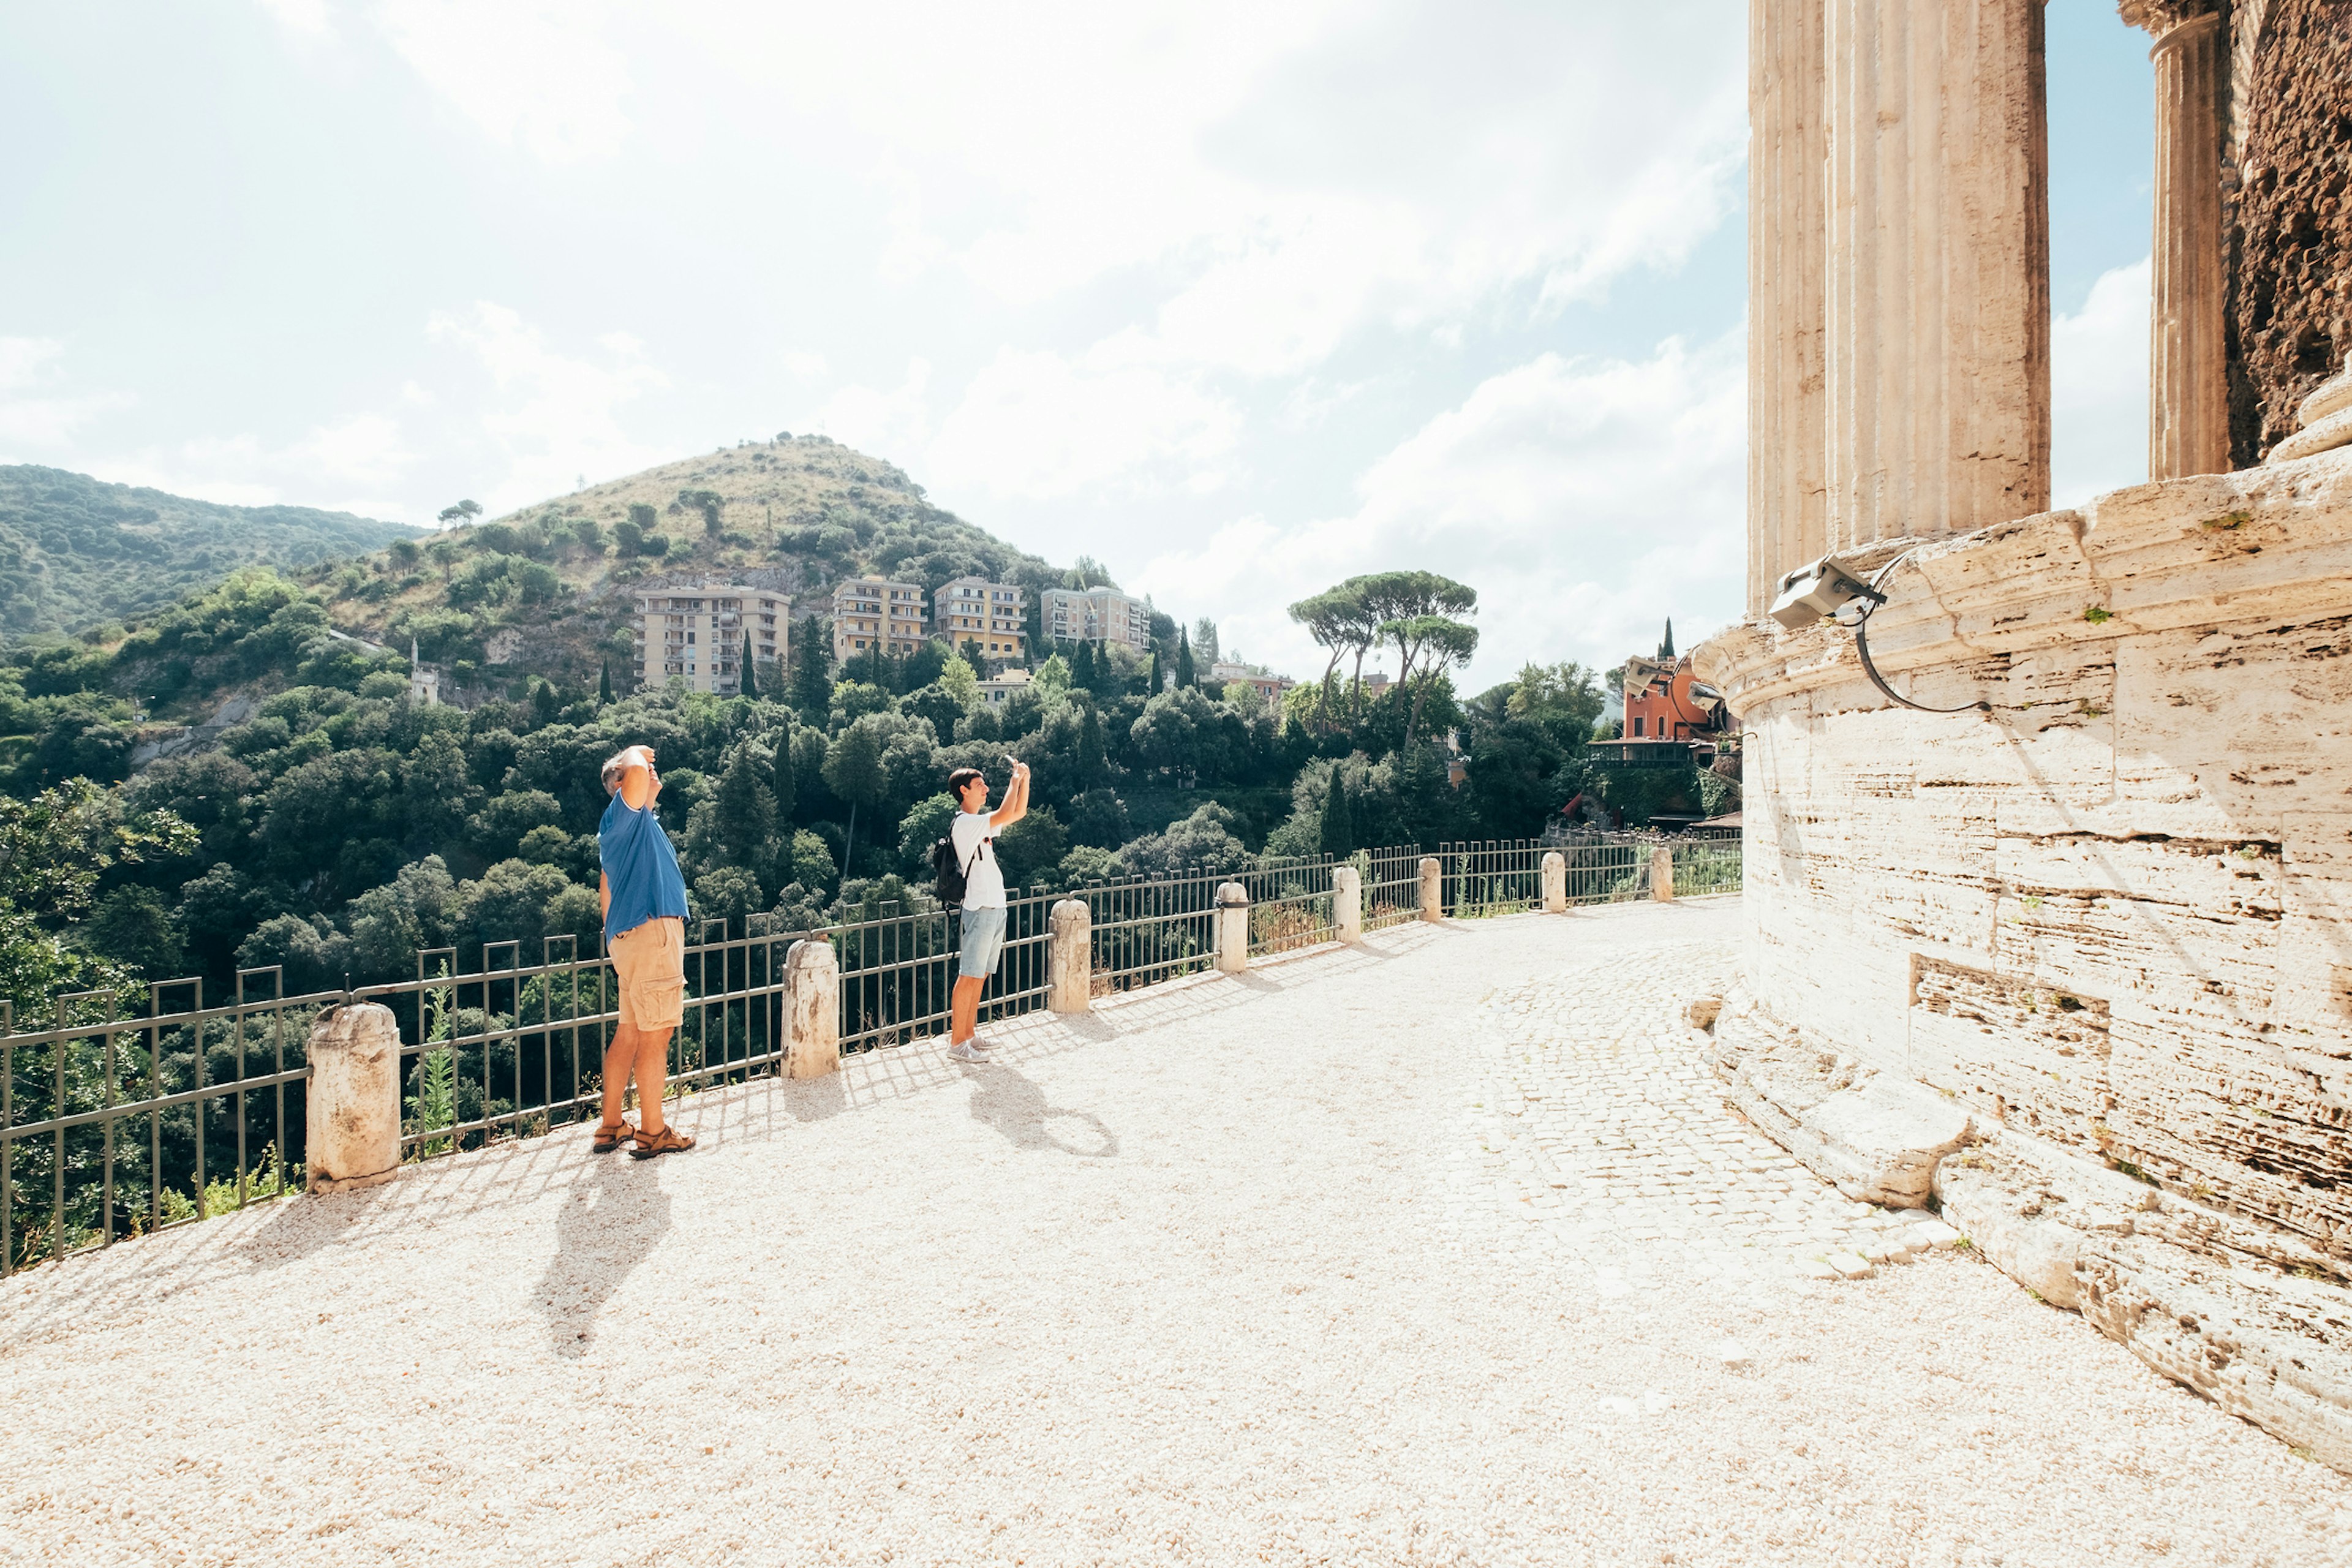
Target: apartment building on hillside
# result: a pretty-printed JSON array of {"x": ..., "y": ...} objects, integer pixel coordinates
[
  {"x": 698, "y": 635},
  {"x": 1095, "y": 615},
  {"x": 991, "y": 618},
  {"x": 1271, "y": 688},
  {"x": 871, "y": 613}
]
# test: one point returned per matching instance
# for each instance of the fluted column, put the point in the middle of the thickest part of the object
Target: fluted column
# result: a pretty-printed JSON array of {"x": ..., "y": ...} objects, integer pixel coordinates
[
  {"x": 2187, "y": 403},
  {"x": 1938, "y": 333},
  {"x": 1787, "y": 249}
]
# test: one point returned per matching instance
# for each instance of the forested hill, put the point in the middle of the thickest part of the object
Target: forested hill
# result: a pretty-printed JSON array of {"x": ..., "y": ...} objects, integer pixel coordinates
[
  {"x": 76, "y": 551},
  {"x": 560, "y": 576}
]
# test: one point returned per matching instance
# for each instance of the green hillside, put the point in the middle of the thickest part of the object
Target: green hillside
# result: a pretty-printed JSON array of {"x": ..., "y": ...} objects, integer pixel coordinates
[
  {"x": 76, "y": 551},
  {"x": 559, "y": 576}
]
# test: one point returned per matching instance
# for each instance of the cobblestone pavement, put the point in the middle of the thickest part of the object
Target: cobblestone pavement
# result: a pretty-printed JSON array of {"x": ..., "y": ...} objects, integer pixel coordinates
[
  {"x": 1168, "y": 1283},
  {"x": 1598, "y": 1132}
]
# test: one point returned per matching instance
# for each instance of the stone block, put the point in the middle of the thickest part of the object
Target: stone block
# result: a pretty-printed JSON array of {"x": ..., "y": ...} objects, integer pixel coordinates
[
  {"x": 1850, "y": 1265},
  {"x": 351, "y": 1112},
  {"x": 1432, "y": 889},
  {"x": 1347, "y": 903},
  {"x": 812, "y": 1011},
  {"x": 1069, "y": 957},
  {"x": 1232, "y": 928}
]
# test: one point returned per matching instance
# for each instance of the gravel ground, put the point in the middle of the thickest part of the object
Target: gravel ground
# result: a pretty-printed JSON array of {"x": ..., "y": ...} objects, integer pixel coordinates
[{"x": 1195, "y": 1280}]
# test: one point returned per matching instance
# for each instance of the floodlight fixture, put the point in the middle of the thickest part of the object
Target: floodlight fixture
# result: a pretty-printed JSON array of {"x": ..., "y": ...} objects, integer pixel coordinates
[
  {"x": 1826, "y": 590},
  {"x": 1822, "y": 590}
]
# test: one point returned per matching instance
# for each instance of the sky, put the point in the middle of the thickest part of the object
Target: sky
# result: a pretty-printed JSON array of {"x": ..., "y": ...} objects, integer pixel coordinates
[{"x": 1238, "y": 298}]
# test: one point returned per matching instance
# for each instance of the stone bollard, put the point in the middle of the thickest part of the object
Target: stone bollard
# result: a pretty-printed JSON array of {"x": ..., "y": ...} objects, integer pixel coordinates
[
  {"x": 812, "y": 1009},
  {"x": 350, "y": 1114},
  {"x": 1070, "y": 958},
  {"x": 1232, "y": 928},
  {"x": 1555, "y": 882},
  {"x": 1432, "y": 889},
  {"x": 1347, "y": 902},
  {"x": 1661, "y": 874}
]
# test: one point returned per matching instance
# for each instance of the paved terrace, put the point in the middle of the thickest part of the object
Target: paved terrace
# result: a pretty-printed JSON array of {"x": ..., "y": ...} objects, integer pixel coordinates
[{"x": 1423, "y": 1252}]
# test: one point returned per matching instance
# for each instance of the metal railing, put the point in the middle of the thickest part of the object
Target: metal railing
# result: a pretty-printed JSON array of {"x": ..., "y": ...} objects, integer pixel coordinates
[
  {"x": 113, "y": 1126},
  {"x": 1712, "y": 863}
]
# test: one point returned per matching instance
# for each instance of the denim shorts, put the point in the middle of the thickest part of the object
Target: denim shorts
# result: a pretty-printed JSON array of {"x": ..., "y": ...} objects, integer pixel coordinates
[{"x": 983, "y": 939}]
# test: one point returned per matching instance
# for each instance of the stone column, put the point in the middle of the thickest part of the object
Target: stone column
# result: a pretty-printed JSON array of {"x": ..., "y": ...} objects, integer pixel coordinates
[
  {"x": 1555, "y": 883},
  {"x": 1788, "y": 246},
  {"x": 350, "y": 1109},
  {"x": 1937, "y": 362},
  {"x": 1347, "y": 902},
  {"x": 1432, "y": 889},
  {"x": 2188, "y": 394},
  {"x": 1232, "y": 928},
  {"x": 812, "y": 1009},
  {"x": 1661, "y": 874},
  {"x": 1070, "y": 958}
]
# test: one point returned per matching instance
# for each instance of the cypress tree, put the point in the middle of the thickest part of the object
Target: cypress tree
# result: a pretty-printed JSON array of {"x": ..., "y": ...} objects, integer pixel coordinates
[
  {"x": 1156, "y": 686},
  {"x": 1082, "y": 667},
  {"x": 781, "y": 782},
  {"x": 750, "y": 682},
  {"x": 1339, "y": 826},
  {"x": 1184, "y": 674},
  {"x": 812, "y": 681},
  {"x": 604, "y": 685}
]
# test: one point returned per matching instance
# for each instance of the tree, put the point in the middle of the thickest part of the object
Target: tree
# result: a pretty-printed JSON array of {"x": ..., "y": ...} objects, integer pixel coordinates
[
  {"x": 1158, "y": 684},
  {"x": 750, "y": 682},
  {"x": 1082, "y": 666},
  {"x": 783, "y": 782},
  {"x": 545, "y": 705},
  {"x": 465, "y": 511},
  {"x": 811, "y": 680},
  {"x": 1184, "y": 676},
  {"x": 707, "y": 502},
  {"x": 744, "y": 808},
  {"x": 1338, "y": 824},
  {"x": 1441, "y": 644},
  {"x": 604, "y": 685},
  {"x": 1337, "y": 619},
  {"x": 853, "y": 770},
  {"x": 1205, "y": 647}
]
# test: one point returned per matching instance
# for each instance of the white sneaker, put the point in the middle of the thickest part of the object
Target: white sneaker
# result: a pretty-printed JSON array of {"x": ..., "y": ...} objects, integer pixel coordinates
[{"x": 970, "y": 1051}]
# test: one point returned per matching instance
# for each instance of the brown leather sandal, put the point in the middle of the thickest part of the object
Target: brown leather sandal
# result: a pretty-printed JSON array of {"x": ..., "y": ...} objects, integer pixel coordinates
[
  {"x": 608, "y": 1139},
  {"x": 668, "y": 1141}
]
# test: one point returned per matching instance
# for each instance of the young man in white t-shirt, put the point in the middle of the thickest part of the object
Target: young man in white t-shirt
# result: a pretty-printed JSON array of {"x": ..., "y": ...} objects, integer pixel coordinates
[{"x": 973, "y": 835}]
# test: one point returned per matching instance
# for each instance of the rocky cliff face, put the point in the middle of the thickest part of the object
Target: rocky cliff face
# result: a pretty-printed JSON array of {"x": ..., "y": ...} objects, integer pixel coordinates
[{"x": 2289, "y": 212}]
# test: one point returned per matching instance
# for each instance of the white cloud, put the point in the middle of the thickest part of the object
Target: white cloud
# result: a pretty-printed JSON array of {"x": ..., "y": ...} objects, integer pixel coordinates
[
  {"x": 554, "y": 415},
  {"x": 305, "y": 20},
  {"x": 1038, "y": 427},
  {"x": 2098, "y": 388},
  {"x": 37, "y": 423},
  {"x": 534, "y": 74},
  {"x": 1585, "y": 500}
]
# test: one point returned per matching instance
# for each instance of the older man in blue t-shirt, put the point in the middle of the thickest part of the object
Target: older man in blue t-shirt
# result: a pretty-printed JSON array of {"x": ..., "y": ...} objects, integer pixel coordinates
[{"x": 644, "y": 936}]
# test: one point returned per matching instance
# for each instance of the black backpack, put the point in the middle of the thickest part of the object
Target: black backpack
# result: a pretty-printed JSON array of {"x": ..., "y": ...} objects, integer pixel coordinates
[{"x": 950, "y": 875}]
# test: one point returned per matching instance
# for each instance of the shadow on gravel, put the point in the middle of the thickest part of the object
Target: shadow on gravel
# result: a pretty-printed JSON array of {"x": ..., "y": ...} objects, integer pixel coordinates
[
  {"x": 816, "y": 1099},
  {"x": 608, "y": 1226},
  {"x": 1016, "y": 1108}
]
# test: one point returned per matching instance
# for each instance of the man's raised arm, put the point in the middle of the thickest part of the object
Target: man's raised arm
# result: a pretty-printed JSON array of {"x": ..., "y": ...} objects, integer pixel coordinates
[{"x": 1016, "y": 798}]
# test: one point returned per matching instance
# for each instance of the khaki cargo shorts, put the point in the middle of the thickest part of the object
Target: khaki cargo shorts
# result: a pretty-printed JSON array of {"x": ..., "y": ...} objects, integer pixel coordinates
[{"x": 649, "y": 964}]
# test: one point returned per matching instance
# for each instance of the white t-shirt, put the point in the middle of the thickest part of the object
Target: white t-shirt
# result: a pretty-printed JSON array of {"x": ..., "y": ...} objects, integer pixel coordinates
[{"x": 975, "y": 848}]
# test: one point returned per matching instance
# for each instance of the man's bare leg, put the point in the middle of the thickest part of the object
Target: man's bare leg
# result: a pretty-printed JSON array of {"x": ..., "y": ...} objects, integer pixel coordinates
[
  {"x": 620, "y": 1058},
  {"x": 964, "y": 1013},
  {"x": 653, "y": 1070}
]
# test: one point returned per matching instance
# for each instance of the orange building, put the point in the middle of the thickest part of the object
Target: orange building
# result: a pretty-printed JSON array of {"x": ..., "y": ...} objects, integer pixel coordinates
[{"x": 1664, "y": 701}]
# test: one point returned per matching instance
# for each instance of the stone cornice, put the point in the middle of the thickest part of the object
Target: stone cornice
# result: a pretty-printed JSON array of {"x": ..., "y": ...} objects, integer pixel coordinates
[{"x": 2210, "y": 551}]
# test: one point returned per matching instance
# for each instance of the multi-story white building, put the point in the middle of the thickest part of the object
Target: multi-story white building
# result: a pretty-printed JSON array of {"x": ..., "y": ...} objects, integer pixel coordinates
[
  {"x": 871, "y": 613},
  {"x": 698, "y": 635},
  {"x": 1095, "y": 615},
  {"x": 991, "y": 618}
]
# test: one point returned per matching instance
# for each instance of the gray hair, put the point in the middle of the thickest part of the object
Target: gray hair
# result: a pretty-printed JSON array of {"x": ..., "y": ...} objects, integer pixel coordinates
[{"x": 615, "y": 766}]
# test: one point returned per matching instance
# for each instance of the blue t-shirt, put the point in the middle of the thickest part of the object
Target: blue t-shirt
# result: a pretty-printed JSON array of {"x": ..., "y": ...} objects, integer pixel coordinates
[{"x": 641, "y": 865}]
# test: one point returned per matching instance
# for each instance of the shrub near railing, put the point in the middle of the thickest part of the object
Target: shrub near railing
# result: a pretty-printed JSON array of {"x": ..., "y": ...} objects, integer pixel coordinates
[{"x": 117, "y": 1126}]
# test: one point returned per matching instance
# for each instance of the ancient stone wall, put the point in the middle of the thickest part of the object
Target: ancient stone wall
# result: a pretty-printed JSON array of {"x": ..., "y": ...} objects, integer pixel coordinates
[
  {"x": 2110, "y": 915},
  {"x": 2289, "y": 210}
]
